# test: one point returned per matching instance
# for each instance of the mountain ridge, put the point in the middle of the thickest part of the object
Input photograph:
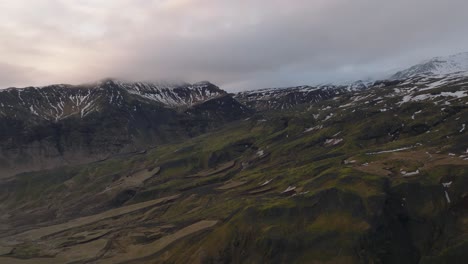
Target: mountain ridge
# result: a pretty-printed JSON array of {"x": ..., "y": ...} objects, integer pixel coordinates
[
  {"x": 307, "y": 174},
  {"x": 62, "y": 100},
  {"x": 441, "y": 65},
  {"x": 64, "y": 124},
  {"x": 113, "y": 116},
  {"x": 377, "y": 175}
]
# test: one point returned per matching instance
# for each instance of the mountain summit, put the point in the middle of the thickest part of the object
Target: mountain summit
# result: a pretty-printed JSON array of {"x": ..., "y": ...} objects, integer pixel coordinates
[
  {"x": 42, "y": 127},
  {"x": 436, "y": 66},
  {"x": 60, "y": 101}
]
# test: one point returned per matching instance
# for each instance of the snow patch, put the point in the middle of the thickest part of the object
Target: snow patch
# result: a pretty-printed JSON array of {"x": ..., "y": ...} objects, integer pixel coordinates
[
  {"x": 313, "y": 128},
  {"x": 333, "y": 141},
  {"x": 389, "y": 151},
  {"x": 415, "y": 113},
  {"x": 447, "y": 184},
  {"x": 424, "y": 97},
  {"x": 266, "y": 182},
  {"x": 290, "y": 188},
  {"x": 404, "y": 173},
  {"x": 328, "y": 116},
  {"x": 447, "y": 197}
]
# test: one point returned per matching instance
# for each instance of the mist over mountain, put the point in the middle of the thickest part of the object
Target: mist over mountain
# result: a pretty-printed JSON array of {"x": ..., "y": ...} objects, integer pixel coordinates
[
  {"x": 436, "y": 66},
  {"x": 323, "y": 132}
]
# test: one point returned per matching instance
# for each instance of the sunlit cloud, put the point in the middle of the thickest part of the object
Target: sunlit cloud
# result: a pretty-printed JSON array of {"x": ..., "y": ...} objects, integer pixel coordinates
[{"x": 235, "y": 44}]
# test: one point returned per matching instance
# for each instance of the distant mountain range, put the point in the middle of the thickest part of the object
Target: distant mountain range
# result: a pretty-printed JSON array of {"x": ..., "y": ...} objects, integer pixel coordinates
[
  {"x": 122, "y": 172},
  {"x": 42, "y": 127},
  {"x": 57, "y": 102}
]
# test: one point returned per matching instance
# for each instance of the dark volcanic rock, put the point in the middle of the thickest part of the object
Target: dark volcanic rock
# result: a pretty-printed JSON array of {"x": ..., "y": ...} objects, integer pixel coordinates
[{"x": 63, "y": 124}]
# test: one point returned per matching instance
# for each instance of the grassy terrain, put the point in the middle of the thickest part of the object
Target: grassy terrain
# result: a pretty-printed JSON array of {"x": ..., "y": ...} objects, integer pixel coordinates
[{"x": 363, "y": 186}]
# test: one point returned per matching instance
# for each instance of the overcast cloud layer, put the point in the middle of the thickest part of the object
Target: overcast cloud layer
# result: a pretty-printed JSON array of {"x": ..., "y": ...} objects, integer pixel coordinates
[{"x": 239, "y": 45}]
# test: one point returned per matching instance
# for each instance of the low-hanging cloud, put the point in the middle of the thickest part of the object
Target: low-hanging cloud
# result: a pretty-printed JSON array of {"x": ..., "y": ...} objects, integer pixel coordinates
[{"x": 245, "y": 44}]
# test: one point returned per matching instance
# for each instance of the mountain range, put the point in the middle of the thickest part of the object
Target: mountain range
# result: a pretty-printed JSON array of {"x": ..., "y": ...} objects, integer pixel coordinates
[
  {"x": 120, "y": 172},
  {"x": 44, "y": 127}
]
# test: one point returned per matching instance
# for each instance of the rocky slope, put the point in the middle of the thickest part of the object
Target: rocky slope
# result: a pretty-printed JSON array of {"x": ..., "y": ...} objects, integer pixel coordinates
[
  {"x": 377, "y": 175},
  {"x": 289, "y": 97},
  {"x": 58, "y": 102},
  {"x": 428, "y": 74},
  {"x": 308, "y": 96},
  {"x": 63, "y": 124},
  {"x": 436, "y": 66}
]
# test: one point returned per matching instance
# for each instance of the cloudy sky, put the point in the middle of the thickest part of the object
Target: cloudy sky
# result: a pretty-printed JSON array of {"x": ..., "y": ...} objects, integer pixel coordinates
[{"x": 237, "y": 44}]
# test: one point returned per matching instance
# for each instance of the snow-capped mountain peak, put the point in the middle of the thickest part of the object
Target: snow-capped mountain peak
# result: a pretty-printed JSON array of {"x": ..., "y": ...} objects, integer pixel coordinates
[
  {"x": 55, "y": 102},
  {"x": 436, "y": 66},
  {"x": 170, "y": 94}
]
